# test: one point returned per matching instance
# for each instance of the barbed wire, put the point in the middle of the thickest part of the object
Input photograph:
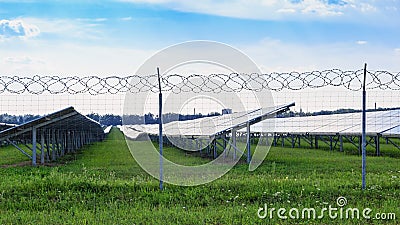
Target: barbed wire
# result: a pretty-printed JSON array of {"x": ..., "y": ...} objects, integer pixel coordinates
[{"x": 216, "y": 83}]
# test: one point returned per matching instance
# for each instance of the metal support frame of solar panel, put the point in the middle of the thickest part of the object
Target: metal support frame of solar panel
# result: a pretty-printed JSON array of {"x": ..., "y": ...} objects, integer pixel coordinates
[{"x": 67, "y": 129}]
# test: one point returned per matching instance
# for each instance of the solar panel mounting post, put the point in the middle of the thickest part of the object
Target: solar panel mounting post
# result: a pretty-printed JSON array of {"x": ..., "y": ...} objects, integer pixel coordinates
[
  {"x": 160, "y": 137},
  {"x": 248, "y": 146},
  {"x": 234, "y": 142},
  {"x": 53, "y": 145},
  {"x": 42, "y": 147},
  {"x": 34, "y": 146},
  {"x": 364, "y": 138}
]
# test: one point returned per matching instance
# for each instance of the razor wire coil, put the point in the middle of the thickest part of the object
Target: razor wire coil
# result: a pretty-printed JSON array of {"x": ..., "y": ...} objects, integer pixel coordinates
[{"x": 216, "y": 83}]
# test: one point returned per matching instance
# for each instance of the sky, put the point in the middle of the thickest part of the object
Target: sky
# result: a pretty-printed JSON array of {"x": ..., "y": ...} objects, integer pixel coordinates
[{"x": 104, "y": 38}]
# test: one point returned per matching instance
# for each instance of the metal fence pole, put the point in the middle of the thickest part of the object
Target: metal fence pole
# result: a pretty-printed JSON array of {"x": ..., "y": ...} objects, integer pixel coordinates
[
  {"x": 248, "y": 146},
  {"x": 160, "y": 137},
  {"x": 364, "y": 138}
]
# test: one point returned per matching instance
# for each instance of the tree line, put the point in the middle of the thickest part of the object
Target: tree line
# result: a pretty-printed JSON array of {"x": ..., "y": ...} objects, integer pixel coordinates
[
  {"x": 111, "y": 119},
  {"x": 149, "y": 118}
]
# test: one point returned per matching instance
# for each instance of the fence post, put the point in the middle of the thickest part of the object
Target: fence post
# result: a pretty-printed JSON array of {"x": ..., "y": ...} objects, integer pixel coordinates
[
  {"x": 160, "y": 137},
  {"x": 248, "y": 146},
  {"x": 364, "y": 140}
]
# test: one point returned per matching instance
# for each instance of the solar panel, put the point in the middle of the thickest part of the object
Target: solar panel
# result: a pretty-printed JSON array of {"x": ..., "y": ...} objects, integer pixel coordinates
[
  {"x": 386, "y": 123},
  {"x": 338, "y": 123},
  {"x": 66, "y": 119},
  {"x": 297, "y": 125},
  {"x": 376, "y": 123},
  {"x": 344, "y": 124},
  {"x": 5, "y": 126},
  {"x": 208, "y": 126},
  {"x": 107, "y": 129},
  {"x": 394, "y": 132}
]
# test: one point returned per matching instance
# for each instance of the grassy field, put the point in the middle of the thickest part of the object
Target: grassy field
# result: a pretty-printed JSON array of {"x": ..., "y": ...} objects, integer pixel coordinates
[{"x": 104, "y": 185}]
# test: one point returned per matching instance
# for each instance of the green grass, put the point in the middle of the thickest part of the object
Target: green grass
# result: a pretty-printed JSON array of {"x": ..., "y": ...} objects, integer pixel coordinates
[
  {"x": 104, "y": 185},
  {"x": 386, "y": 149},
  {"x": 10, "y": 155}
]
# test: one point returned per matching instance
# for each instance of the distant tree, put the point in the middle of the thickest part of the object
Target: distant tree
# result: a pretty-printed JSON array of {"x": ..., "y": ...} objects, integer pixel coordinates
[
  {"x": 149, "y": 118},
  {"x": 94, "y": 116}
]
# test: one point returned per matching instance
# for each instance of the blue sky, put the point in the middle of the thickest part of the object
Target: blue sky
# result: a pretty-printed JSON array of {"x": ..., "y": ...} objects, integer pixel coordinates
[
  {"x": 104, "y": 38},
  {"x": 115, "y": 37}
]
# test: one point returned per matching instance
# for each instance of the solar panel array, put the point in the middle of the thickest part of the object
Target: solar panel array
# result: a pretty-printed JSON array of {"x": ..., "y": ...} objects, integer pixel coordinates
[
  {"x": 57, "y": 134},
  {"x": 208, "y": 126},
  {"x": 66, "y": 120},
  {"x": 385, "y": 123}
]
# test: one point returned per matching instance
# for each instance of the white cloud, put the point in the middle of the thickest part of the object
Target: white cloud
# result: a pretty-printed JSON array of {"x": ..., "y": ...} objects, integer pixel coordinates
[
  {"x": 273, "y": 9},
  {"x": 126, "y": 18},
  {"x": 397, "y": 51},
  {"x": 248, "y": 9},
  {"x": 366, "y": 7},
  {"x": 92, "y": 20},
  {"x": 286, "y": 10},
  {"x": 18, "y": 60},
  {"x": 21, "y": 60},
  {"x": 362, "y": 42},
  {"x": 17, "y": 28},
  {"x": 70, "y": 59},
  {"x": 277, "y": 56},
  {"x": 69, "y": 28}
]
